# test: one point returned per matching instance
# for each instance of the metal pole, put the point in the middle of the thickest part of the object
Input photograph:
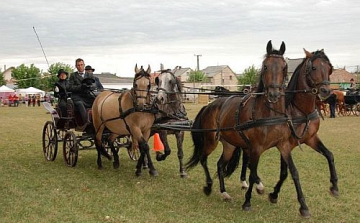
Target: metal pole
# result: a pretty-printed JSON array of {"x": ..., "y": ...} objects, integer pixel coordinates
[{"x": 41, "y": 46}]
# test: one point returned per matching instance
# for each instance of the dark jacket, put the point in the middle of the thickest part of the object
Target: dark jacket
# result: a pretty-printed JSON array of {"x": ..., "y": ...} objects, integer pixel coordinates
[{"x": 63, "y": 86}]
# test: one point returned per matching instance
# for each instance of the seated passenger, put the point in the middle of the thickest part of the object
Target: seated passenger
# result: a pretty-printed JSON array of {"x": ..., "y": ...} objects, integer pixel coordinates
[
  {"x": 89, "y": 74},
  {"x": 82, "y": 95},
  {"x": 60, "y": 91}
]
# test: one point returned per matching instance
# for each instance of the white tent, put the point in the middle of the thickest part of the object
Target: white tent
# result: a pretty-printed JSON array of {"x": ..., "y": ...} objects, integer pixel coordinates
[
  {"x": 6, "y": 89},
  {"x": 30, "y": 90}
]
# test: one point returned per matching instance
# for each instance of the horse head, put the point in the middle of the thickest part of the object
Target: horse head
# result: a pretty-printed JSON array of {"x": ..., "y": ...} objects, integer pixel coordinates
[
  {"x": 141, "y": 87},
  {"x": 273, "y": 73},
  {"x": 168, "y": 86},
  {"x": 317, "y": 73}
]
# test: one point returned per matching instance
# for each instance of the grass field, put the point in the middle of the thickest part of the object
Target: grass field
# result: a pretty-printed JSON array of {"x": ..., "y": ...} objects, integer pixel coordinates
[{"x": 36, "y": 190}]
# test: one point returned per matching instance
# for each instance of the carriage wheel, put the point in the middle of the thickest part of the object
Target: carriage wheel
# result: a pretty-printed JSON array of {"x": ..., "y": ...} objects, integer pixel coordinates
[
  {"x": 70, "y": 149},
  {"x": 49, "y": 141},
  {"x": 133, "y": 151},
  {"x": 356, "y": 109},
  {"x": 348, "y": 110}
]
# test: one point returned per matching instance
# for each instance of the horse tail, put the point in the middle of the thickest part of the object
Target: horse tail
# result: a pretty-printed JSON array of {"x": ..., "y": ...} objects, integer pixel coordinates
[
  {"x": 198, "y": 140},
  {"x": 233, "y": 163}
]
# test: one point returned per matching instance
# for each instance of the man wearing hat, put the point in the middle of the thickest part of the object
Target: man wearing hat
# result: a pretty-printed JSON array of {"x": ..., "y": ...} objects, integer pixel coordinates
[
  {"x": 60, "y": 91},
  {"x": 81, "y": 91},
  {"x": 89, "y": 74}
]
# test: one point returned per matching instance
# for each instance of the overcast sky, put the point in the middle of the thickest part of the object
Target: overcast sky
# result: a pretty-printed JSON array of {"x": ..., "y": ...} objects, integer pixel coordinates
[{"x": 113, "y": 36}]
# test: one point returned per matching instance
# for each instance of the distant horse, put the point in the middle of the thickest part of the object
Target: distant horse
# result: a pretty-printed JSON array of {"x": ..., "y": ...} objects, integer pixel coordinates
[
  {"x": 238, "y": 121},
  {"x": 340, "y": 102},
  {"x": 126, "y": 114},
  {"x": 171, "y": 110}
]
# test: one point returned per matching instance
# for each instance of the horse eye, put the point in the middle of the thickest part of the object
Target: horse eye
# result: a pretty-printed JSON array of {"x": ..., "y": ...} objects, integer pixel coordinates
[
  {"x": 135, "y": 85},
  {"x": 313, "y": 68},
  {"x": 265, "y": 67}
]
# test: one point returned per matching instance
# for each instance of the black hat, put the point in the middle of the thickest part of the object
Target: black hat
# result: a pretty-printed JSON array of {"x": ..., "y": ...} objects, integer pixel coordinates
[
  {"x": 88, "y": 67},
  {"x": 62, "y": 71},
  {"x": 352, "y": 79}
]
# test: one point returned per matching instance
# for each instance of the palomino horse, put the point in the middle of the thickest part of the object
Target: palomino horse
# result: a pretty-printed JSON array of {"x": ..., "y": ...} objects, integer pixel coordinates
[
  {"x": 171, "y": 110},
  {"x": 124, "y": 114},
  {"x": 240, "y": 121}
]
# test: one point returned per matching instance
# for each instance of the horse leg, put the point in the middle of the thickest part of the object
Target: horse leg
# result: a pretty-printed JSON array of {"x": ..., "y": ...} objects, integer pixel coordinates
[
  {"x": 145, "y": 148},
  {"x": 259, "y": 186},
  {"x": 226, "y": 165},
  {"x": 111, "y": 140},
  {"x": 319, "y": 147},
  {"x": 140, "y": 161},
  {"x": 99, "y": 147},
  {"x": 244, "y": 166},
  {"x": 209, "y": 182},
  {"x": 304, "y": 210},
  {"x": 254, "y": 160},
  {"x": 283, "y": 175},
  {"x": 179, "y": 141},
  {"x": 167, "y": 150}
]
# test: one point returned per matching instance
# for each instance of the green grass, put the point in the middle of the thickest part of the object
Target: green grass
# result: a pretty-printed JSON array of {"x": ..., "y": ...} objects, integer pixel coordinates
[{"x": 35, "y": 190}]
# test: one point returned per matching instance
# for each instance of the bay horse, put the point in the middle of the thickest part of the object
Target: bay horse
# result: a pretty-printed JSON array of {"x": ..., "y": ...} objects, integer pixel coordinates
[
  {"x": 225, "y": 115},
  {"x": 171, "y": 110},
  {"x": 128, "y": 113}
]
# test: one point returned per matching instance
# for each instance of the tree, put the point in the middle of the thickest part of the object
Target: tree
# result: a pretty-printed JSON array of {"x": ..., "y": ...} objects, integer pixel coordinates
[
  {"x": 50, "y": 78},
  {"x": 249, "y": 76},
  {"x": 196, "y": 76},
  {"x": 26, "y": 76},
  {"x": 2, "y": 78}
]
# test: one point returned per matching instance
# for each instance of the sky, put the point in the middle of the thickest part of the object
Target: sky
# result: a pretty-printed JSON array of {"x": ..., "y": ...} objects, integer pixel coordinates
[{"x": 113, "y": 36}]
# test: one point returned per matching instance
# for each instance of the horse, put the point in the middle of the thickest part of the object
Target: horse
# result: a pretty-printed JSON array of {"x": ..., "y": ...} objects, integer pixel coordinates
[
  {"x": 171, "y": 110},
  {"x": 340, "y": 102},
  {"x": 266, "y": 102},
  {"x": 309, "y": 82},
  {"x": 128, "y": 113}
]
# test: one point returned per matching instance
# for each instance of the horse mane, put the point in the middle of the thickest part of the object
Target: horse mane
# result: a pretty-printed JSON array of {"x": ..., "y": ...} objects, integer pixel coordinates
[
  {"x": 289, "y": 96},
  {"x": 260, "y": 87}
]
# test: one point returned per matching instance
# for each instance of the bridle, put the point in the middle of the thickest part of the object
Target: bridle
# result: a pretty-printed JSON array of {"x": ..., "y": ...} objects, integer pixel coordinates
[
  {"x": 308, "y": 68},
  {"x": 280, "y": 86},
  {"x": 135, "y": 97}
]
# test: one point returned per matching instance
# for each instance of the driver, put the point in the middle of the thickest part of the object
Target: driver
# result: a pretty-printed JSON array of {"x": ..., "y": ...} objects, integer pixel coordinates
[{"x": 81, "y": 95}]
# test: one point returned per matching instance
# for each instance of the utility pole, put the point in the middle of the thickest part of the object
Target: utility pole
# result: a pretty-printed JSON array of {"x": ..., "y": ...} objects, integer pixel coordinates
[
  {"x": 197, "y": 69},
  {"x": 197, "y": 61}
]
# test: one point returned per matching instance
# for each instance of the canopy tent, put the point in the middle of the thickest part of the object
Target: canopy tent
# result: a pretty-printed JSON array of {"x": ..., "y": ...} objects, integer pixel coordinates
[
  {"x": 6, "y": 91},
  {"x": 30, "y": 90}
]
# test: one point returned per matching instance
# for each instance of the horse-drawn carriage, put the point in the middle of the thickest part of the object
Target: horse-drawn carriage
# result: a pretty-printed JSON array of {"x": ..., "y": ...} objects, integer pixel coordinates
[
  {"x": 352, "y": 104},
  {"x": 75, "y": 135}
]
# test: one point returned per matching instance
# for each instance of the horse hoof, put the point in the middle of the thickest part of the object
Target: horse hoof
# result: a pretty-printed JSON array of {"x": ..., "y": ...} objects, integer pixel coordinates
[
  {"x": 246, "y": 208},
  {"x": 244, "y": 188},
  {"x": 138, "y": 173},
  {"x": 226, "y": 197},
  {"x": 183, "y": 175},
  {"x": 207, "y": 191},
  {"x": 100, "y": 167},
  {"x": 116, "y": 165},
  {"x": 305, "y": 213},
  {"x": 334, "y": 192},
  {"x": 160, "y": 157},
  {"x": 272, "y": 199},
  {"x": 260, "y": 191},
  {"x": 153, "y": 173}
]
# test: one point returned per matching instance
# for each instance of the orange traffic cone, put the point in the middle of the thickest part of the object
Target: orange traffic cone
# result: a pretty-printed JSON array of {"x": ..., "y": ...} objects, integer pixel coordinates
[{"x": 158, "y": 145}]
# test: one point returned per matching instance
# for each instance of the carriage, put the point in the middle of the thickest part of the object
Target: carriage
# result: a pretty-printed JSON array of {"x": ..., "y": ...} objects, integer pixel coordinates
[
  {"x": 75, "y": 135},
  {"x": 352, "y": 104}
]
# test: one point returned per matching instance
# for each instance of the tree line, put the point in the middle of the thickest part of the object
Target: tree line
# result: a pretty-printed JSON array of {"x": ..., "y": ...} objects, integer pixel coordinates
[{"x": 31, "y": 76}]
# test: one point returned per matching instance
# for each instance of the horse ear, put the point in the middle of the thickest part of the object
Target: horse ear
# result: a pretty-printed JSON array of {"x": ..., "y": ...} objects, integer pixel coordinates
[
  {"x": 307, "y": 53},
  {"x": 269, "y": 47},
  {"x": 322, "y": 50},
  {"x": 136, "y": 69},
  {"x": 149, "y": 69},
  {"x": 282, "y": 48}
]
